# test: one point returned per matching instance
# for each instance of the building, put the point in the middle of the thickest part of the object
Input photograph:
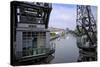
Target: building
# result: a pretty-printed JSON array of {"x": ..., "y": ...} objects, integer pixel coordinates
[{"x": 29, "y": 30}]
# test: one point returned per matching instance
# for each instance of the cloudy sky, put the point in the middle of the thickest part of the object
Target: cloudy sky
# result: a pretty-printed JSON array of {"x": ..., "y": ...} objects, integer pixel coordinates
[{"x": 63, "y": 16}]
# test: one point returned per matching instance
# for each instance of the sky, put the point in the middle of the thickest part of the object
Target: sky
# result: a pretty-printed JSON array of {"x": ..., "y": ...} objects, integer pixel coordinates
[{"x": 64, "y": 16}]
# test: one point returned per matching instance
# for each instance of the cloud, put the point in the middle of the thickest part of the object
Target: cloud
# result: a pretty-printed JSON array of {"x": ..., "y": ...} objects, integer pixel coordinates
[{"x": 63, "y": 16}]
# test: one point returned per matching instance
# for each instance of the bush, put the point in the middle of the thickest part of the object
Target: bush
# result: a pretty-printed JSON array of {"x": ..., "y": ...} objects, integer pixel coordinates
[{"x": 53, "y": 34}]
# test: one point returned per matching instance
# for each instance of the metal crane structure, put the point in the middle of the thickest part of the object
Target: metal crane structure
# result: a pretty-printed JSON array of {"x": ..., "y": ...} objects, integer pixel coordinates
[{"x": 87, "y": 28}]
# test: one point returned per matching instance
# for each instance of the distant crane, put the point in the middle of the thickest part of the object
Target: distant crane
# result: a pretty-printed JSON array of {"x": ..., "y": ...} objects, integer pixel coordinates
[{"x": 87, "y": 28}]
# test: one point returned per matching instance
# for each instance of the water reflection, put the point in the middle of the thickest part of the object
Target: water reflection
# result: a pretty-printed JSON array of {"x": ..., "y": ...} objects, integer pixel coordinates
[{"x": 67, "y": 51}]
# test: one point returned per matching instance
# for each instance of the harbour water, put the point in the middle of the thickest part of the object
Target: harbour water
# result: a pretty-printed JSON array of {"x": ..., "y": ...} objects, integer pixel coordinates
[{"x": 66, "y": 49}]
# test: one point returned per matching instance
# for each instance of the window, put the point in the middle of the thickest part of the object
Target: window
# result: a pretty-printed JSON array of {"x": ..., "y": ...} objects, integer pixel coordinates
[
  {"x": 29, "y": 42},
  {"x": 18, "y": 18},
  {"x": 29, "y": 15}
]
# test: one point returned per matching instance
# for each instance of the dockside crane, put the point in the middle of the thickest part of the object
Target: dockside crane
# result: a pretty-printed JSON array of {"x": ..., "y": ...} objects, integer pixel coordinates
[{"x": 87, "y": 28}]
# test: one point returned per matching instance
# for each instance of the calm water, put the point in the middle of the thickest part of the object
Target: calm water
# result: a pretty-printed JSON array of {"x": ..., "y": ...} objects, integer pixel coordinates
[{"x": 66, "y": 49}]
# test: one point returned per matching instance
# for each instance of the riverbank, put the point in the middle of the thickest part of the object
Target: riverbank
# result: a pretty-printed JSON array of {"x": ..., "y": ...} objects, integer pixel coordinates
[{"x": 54, "y": 37}]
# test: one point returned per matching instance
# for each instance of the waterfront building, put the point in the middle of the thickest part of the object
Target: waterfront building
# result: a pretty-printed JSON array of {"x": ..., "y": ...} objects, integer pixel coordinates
[{"x": 30, "y": 34}]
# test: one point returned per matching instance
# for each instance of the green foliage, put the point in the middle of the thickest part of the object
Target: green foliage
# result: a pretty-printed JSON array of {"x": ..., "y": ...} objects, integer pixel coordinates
[{"x": 53, "y": 34}]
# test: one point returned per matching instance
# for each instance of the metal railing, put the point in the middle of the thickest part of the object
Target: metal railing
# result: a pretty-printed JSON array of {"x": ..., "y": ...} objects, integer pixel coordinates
[{"x": 35, "y": 51}]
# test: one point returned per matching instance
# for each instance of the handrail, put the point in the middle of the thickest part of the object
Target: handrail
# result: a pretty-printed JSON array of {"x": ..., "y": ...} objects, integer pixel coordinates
[{"x": 35, "y": 51}]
